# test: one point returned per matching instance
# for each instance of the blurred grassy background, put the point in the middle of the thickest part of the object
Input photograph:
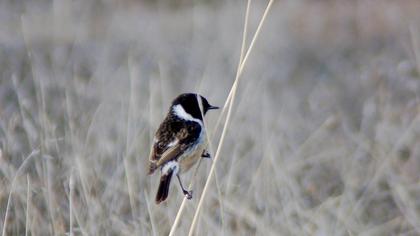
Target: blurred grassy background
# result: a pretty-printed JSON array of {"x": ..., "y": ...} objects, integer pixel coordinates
[{"x": 324, "y": 139}]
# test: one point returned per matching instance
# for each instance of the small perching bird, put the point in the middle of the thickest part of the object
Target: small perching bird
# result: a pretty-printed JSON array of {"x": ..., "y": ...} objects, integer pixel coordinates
[{"x": 179, "y": 141}]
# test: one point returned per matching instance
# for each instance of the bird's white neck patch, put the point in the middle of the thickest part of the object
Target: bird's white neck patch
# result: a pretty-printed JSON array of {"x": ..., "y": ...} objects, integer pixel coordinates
[{"x": 181, "y": 113}]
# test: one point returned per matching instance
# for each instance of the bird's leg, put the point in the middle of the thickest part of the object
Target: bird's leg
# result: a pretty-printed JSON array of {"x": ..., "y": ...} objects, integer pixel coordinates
[
  {"x": 205, "y": 154},
  {"x": 188, "y": 194}
]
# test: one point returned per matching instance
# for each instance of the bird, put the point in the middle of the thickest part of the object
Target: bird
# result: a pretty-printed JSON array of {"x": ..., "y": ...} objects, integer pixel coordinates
[{"x": 179, "y": 142}]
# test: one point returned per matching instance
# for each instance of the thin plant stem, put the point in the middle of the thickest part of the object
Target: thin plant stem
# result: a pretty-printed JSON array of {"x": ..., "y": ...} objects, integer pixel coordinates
[{"x": 234, "y": 89}]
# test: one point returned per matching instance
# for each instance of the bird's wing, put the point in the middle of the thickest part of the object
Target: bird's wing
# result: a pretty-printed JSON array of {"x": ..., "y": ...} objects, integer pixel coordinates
[
  {"x": 161, "y": 146},
  {"x": 165, "y": 150}
]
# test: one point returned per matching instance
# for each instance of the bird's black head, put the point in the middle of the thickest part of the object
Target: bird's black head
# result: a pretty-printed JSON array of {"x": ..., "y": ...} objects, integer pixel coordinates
[{"x": 190, "y": 102}]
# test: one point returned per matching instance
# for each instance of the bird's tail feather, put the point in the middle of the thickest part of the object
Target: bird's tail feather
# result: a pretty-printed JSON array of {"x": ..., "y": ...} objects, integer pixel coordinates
[{"x": 163, "y": 189}]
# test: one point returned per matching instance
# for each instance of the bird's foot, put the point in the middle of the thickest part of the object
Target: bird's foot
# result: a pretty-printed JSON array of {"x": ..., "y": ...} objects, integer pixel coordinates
[
  {"x": 188, "y": 194},
  {"x": 205, "y": 154}
]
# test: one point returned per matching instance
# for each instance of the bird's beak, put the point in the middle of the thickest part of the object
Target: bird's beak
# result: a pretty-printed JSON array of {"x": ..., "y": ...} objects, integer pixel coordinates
[{"x": 213, "y": 107}]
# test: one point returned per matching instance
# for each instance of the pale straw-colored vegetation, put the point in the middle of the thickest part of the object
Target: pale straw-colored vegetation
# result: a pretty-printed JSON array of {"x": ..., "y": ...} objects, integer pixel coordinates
[{"x": 322, "y": 136}]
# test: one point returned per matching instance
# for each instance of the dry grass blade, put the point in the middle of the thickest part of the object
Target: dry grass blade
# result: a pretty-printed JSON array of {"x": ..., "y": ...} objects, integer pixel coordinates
[
  {"x": 149, "y": 211},
  {"x": 181, "y": 208},
  {"x": 21, "y": 168},
  {"x": 28, "y": 202},
  {"x": 71, "y": 194},
  {"x": 234, "y": 89},
  {"x": 241, "y": 58}
]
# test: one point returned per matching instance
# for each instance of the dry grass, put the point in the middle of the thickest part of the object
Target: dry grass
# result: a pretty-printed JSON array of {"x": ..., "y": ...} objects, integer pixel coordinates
[{"x": 324, "y": 137}]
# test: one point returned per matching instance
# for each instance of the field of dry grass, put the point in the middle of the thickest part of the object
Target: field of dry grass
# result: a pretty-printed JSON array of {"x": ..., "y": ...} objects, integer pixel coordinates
[{"x": 324, "y": 137}]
